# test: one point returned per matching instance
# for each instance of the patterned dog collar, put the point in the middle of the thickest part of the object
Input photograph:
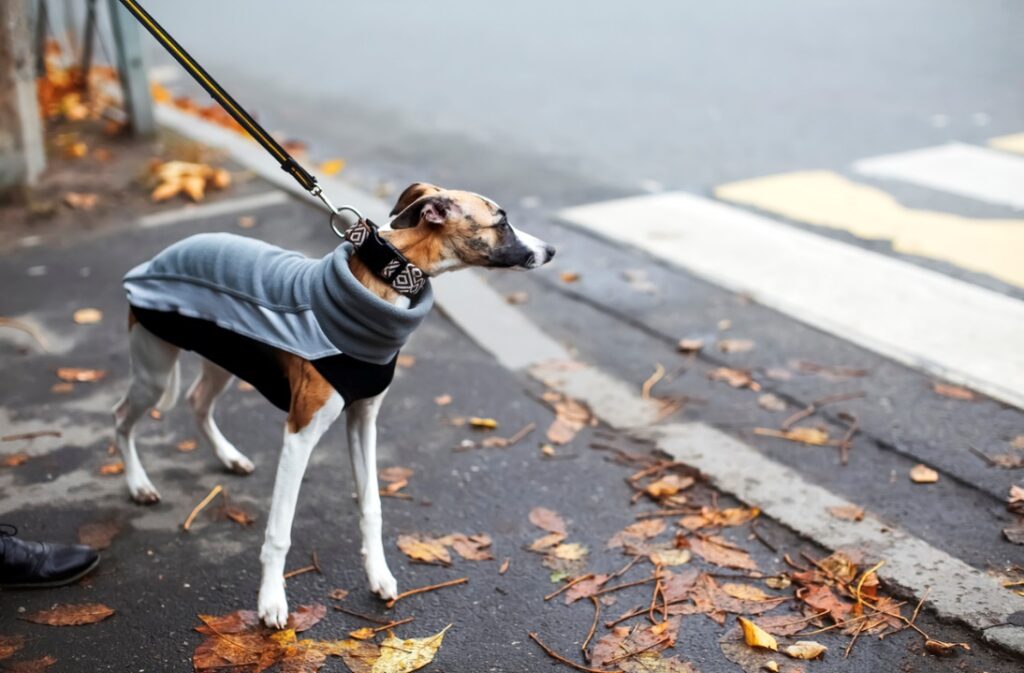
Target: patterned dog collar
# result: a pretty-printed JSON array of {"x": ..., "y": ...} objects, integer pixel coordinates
[{"x": 384, "y": 260}]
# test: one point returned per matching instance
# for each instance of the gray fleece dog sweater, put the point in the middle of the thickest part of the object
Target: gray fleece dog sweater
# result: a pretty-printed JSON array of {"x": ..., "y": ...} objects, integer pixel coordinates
[{"x": 234, "y": 299}]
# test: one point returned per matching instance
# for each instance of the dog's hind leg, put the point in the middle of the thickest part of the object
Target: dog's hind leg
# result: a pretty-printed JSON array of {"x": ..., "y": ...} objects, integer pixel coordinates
[
  {"x": 315, "y": 405},
  {"x": 152, "y": 365},
  {"x": 202, "y": 396},
  {"x": 362, "y": 440}
]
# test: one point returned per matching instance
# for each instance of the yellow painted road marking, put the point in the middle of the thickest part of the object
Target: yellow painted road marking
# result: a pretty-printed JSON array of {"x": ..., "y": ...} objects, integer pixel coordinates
[
  {"x": 823, "y": 198},
  {"x": 1010, "y": 143}
]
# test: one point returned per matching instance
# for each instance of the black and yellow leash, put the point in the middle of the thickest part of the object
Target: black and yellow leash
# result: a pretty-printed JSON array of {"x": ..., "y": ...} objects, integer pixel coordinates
[{"x": 237, "y": 112}]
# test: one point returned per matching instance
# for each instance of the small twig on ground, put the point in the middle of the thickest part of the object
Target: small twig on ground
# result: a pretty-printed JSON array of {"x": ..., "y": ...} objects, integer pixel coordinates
[
  {"x": 623, "y": 586},
  {"x": 816, "y": 405},
  {"x": 652, "y": 380},
  {"x": 568, "y": 584},
  {"x": 761, "y": 539},
  {"x": 654, "y": 595},
  {"x": 856, "y": 635},
  {"x": 369, "y": 618},
  {"x": 625, "y": 569},
  {"x": 793, "y": 564},
  {"x": 30, "y": 435},
  {"x": 627, "y": 655},
  {"x": 516, "y": 438},
  {"x": 635, "y": 612},
  {"x": 203, "y": 503},
  {"x": 313, "y": 565},
  {"x": 432, "y": 587},
  {"x": 593, "y": 628},
  {"x": 860, "y": 583},
  {"x": 802, "y": 621},
  {"x": 391, "y": 625},
  {"x": 853, "y": 425},
  {"x": 979, "y": 454},
  {"x": 557, "y": 657},
  {"x": 913, "y": 617},
  {"x": 653, "y": 469}
]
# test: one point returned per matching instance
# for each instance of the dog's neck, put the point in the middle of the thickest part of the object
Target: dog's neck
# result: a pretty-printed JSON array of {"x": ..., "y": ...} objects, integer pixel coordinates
[{"x": 417, "y": 245}]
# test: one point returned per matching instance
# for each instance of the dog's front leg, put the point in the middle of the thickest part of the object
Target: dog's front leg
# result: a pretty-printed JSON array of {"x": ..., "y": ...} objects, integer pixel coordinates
[
  {"x": 301, "y": 435},
  {"x": 362, "y": 440}
]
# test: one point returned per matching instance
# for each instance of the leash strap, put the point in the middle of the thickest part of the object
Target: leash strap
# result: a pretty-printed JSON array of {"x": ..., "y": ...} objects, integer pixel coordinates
[
  {"x": 287, "y": 161},
  {"x": 384, "y": 260},
  {"x": 381, "y": 257}
]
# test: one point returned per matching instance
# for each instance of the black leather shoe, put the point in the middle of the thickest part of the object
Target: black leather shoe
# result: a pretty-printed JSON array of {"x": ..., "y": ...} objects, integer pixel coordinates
[{"x": 28, "y": 565}]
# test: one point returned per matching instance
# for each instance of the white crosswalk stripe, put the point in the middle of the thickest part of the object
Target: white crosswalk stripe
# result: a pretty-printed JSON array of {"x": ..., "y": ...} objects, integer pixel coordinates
[
  {"x": 975, "y": 172},
  {"x": 921, "y": 318}
]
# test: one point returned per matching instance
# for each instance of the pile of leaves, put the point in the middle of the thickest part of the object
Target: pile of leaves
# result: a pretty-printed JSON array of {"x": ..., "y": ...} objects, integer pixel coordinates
[
  {"x": 777, "y": 614},
  {"x": 65, "y": 92},
  {"x": 238, "y": 641}
]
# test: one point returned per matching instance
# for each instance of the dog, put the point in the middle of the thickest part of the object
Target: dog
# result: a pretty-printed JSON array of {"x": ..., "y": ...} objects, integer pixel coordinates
[{"x": 209, "y": 293}]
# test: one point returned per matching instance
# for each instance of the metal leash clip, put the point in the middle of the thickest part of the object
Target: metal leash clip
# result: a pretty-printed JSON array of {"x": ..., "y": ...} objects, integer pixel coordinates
[{"x": 336, "y": 211}]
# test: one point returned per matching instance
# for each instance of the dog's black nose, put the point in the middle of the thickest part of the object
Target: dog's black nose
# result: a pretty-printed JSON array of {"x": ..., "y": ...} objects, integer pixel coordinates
[{"x": 549, "y": 250}]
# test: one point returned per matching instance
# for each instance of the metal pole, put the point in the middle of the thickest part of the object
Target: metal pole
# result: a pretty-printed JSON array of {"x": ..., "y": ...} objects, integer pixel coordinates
[
  {"x": 88, "y": 39},
  {"x": 42, "y": 17},
  {"x": 22, "y": 154},
  {"x": 131, "y": 64}
]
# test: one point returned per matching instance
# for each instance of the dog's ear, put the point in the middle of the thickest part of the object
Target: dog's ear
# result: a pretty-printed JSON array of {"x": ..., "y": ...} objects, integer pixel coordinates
[
  {"x": 413, "y": 192},
  {"x": 430, "y": 209}
]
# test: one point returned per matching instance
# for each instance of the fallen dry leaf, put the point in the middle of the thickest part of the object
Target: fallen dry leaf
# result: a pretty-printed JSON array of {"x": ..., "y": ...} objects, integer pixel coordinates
[
  {"x": 517, "y": 298},
  {"x": 690, "y": 345},
  {"x": 771, "y": 402},
  {"x": 98, "y": 535},
  {"x": 62, "y": 388},
  {"x": 424, "y": 549},
  {"x": 803, "y": 435},
  {"x": 483, "y": 423},
  {"x": 109, "y": 469},
  {"x": 1017, "y": 442},
  {"x": 805, "y": 649},
  {"x": 670, "y": 557},
  {"x": 1015, "y": 500},
  {"x": 737, "y": 378},
  {"x": 731, "y": 516},
  {"x": 411, "y": 654},
  {"x": 39, "y": 665},
  {"x": 755, "y": 636},
  {"x": 746, "y": 592},
  {"x": 406, "y": 361},
  {"x": 87, "y": 316},
  {"x": 443, "y": 400},
  {"x": 14, "y": 459},
  {"x": 81, "y": 200},
  {"x": 571, "y": 551},
  {"x": 569, "y": 276},
  {"x": 79, "y": 375},
  {"x": 247, "y": 222},
  {"x": 338, "y": 594},
  {"x": 365, "y": 633},
  {"x": 470, "y": 547},
  {"x": 332, "y": 166},
  {"x": 238, "y": 515},
  {"x": 70, "y": 614},
  {"x": 637, "y": 532},
  {"x": 735, "y": 345},
  {"x": 503, "y": 568},
  {"x": 717, "y": 551},
  {"x": 585, "y": 588},
  {"x": 186, "y": 445},
  {"x": 543, "y": 544},
  {"x": 10, "y": 644},
  {"x": 922, "y": 474},
  {"x": 1015, "y": 533},
  {"x": 668, "y": 486},
  {"x": 847, "y": 512},
  {"x": 943, "y": 648},
  {"x": 954, "y": 392},
  {"x": 544, "y": 518},
  {"x": 570, "y": 417}
]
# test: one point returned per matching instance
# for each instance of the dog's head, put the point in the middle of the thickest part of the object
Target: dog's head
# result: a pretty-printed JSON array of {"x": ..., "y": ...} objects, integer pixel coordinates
[{"x": 464, "y": 229}]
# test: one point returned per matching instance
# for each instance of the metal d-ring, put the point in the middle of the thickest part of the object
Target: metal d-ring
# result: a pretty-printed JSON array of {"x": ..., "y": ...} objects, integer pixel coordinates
[{"x": 334, "y": 214}]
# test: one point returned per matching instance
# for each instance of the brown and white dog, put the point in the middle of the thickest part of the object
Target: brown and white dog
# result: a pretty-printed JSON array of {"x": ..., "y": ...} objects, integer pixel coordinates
[{"x": 453, "y": 230}]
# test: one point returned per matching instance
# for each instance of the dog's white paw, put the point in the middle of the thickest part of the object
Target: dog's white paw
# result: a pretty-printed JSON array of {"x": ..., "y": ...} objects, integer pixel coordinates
[
  {"x": 143, "y": 492},
  {"x": 382, "y": 582},
  {"x": 273, "y": 606},
  {"x": 241, "y": 465}
]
